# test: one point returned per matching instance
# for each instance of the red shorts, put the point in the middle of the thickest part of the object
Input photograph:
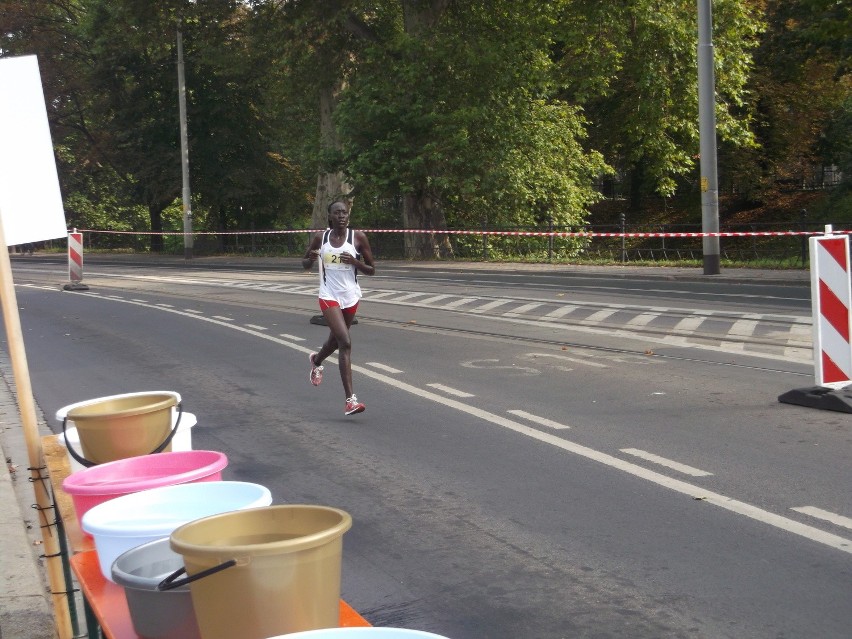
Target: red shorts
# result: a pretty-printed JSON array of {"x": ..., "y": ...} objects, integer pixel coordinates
[{"x": 324, "y": 304}]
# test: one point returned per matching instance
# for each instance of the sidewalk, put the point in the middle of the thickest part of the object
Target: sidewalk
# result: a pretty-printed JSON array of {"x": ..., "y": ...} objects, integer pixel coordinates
[{"x": 25, "y": 608}]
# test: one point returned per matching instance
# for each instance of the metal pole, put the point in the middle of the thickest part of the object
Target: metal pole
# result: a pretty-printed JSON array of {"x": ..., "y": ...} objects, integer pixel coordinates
[
  {"x": 707, "y": 138},
  {"x": 184, "y": 152}
]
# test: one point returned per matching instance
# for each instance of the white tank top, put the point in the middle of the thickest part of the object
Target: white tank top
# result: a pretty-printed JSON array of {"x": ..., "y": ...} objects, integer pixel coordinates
[{"x": 338, "y": 281}]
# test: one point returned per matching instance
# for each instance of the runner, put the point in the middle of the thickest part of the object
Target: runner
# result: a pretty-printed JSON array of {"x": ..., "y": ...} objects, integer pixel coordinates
[{"x": 342, "y": 253}]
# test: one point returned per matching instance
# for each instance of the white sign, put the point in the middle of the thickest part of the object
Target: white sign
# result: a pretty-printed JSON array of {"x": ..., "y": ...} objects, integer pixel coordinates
[{"x": 30, "y": 201}]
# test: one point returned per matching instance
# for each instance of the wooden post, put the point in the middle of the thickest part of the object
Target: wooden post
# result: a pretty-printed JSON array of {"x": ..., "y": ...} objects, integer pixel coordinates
[{"x": 26, "y": 406}]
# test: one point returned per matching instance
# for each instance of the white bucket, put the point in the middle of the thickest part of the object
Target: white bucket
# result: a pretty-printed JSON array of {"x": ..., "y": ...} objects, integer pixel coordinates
[
  {"x": 361, "y": 633},
  {"x": 181, "y": 441},
  {"x": 131, "y": 520}
]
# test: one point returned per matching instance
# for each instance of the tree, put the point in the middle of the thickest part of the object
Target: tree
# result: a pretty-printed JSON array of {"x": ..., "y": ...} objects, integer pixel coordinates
[
  {"x": 801, "y": 91},
  {"x": 633, "y": 67},
  {"x": 463, "y": 125}
]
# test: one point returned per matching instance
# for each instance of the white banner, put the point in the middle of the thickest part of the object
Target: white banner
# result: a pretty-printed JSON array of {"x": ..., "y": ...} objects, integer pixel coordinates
[{"x": 30, "y": 201}]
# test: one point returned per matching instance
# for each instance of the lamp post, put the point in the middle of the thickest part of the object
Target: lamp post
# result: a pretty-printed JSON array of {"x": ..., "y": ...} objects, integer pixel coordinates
[
  {"x": 184, "y": 152},
  {"x": 707, "y": 138}
]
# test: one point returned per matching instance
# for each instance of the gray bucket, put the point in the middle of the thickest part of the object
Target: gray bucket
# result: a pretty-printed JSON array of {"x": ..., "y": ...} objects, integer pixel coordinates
[{"x": 155, "y": 614}]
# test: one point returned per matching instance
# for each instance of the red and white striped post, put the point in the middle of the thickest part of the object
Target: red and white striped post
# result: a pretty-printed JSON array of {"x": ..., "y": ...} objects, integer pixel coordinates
[
  {"x": 831, "y": 300},
  {"x": 831, "y": 303},
  {"x": 75, "y": 262},
  {"x": 75, "y": 256}
]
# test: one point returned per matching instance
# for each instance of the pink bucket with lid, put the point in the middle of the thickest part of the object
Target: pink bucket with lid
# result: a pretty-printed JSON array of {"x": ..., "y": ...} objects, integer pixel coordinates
[{"x": 95, "y": 485}]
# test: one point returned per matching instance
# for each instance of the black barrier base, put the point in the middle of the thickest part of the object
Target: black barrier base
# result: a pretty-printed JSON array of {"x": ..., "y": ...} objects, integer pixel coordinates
[
  {"x": 320, "y": 320},
  {"x": 75, "y": 286},
  {"x": 839, "y": 400}
]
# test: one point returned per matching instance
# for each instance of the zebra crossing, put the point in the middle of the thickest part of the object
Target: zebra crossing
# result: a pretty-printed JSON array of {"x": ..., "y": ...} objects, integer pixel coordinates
[{"x": 783, "y": 336}]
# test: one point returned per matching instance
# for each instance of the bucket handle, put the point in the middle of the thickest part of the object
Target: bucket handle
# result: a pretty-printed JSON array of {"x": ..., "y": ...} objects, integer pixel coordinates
[
  {"x": 172, "y": 580},
  {"x": 88, "y": 463}
]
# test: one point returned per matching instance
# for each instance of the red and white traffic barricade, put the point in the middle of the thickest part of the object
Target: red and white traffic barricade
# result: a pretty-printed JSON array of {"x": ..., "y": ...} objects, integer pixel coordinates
[
  {"x": 831, "y": 303},
  {"x": 75, "y": 262}
]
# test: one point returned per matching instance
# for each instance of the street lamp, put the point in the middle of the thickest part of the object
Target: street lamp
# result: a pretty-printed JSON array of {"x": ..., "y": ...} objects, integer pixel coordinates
[
  {"x": 184, "y": 152},
  {"x": 707, "y": 138}
]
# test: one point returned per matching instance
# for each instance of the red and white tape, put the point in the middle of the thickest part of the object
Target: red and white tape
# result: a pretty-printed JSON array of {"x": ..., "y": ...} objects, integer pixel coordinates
[{"x": 587, "y": 234}]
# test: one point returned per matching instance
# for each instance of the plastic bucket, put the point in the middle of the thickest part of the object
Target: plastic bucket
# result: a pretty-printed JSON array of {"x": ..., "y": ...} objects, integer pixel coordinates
[
  {"x": 155, "y": 614},
  {"x": 92, "y": 486},
  {"x": 361, "y": 633},
  {"x": 131, "y": 520},
  {"x": 122, "y": 426},
  {"x": 266, "y": 571},
  {"x": 182, "y": 439}
]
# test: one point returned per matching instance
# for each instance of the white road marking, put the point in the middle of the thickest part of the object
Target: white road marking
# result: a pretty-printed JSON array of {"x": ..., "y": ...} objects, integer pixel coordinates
[
  {"x": 383, "y": 367},
  {"x": 743, "y": 328},
  {"x": 140, "y": 301},
  {"x": 565, "y": 358},
  {"x": 819, "y": 513},
  {"x": 522, "y": 309},
  {"x": 489, "y": 306},
  {"x": 460, "y": 302},
  {"x": 539, "y": 420},
  {"x": 256, "y": 327},
  {"x": 192, "y": 310},
  {"x": 450, "y": 391},
  {"x": 407, "y": 296},
  {"x": 430, "y": 301},
  {"x": 222, "y": 318},
  {"x": 162, "y": 305},
  {"x": 688, "y": 324},
  {"x": 600, "y": 315},
  {"x": 643, "y": 319},
  {"x": 294, "y": 338},
  {"x": 561, "y": 311},
  {"x": 668, "y": 463},
  {"x": 696, "y": 492}
]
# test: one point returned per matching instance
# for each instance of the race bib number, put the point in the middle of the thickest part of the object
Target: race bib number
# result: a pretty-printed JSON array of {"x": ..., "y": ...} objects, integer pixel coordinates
[{"x": 331, "y": 261}]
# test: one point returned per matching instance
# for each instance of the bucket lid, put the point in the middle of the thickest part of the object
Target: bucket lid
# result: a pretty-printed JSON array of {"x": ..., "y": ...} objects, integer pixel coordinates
[
  {"x": 143, "y": 472},
  {"x": 62, "y": 413},
  {"x": 291, "y": 528},
  {"x": 129, "y": 405},
  {"x": 158, "y": 511}
]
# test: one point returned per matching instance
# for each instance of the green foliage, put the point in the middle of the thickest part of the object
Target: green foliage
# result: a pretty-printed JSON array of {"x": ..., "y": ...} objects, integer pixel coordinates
[
  {"x": 632, "y": 65},
  {"x": 469, "y": 117}
]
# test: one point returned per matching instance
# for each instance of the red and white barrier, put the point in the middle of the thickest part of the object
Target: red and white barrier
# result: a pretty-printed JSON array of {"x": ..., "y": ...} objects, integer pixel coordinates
[
  {"x": 831, "y": 298},
  {"x": 75, "y": 256}
]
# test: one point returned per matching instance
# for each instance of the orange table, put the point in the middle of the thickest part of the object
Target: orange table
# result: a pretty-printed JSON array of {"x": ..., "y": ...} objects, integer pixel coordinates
[{"x": 109, "y": 605}]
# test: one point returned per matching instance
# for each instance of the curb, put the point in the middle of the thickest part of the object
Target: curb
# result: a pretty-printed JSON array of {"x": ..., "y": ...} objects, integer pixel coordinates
[{"x": 25, "y": 608}]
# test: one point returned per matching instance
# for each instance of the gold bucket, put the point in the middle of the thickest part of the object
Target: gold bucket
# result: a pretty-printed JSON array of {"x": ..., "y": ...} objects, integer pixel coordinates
[
  {"x": 124, "y": 426},
  {"x": 263, "y": 572}
]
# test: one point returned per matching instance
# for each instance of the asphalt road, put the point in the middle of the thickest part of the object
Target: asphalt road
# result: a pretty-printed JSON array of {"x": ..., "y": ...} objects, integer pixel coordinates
[{"x": 576, "y": 457}]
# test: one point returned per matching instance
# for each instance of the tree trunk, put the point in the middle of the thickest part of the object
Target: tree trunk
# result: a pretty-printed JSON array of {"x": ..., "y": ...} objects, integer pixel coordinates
[
  {"x": 330, "y": 186},
  {"x": 637, "y": 184},
  {"x": 422, "y": 211},
  {"x": 155, "y": 211}
]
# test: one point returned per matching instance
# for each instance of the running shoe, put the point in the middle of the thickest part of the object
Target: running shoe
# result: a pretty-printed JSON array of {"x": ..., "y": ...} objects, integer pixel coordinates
[
  {"x": 316, "y": 372},
  {"x": 353, "y": 406}
]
